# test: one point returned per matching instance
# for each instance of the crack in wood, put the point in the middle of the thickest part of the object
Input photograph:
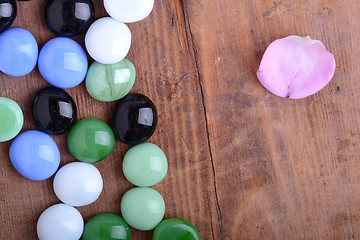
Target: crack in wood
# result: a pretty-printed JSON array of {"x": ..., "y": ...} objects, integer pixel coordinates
[
  {"x": 194, "y": 55},
  {"x": 169, "y": 12}
]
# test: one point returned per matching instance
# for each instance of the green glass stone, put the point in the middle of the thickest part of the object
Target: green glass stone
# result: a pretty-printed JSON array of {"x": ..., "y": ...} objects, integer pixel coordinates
[
  {"x": 11, "y": 119},
  {"x": 176, "y": 229},
  {"x": 143, "y": 208},
  {"x": 91, "y": 140},
  {"x": 145, "y": 165},
  {"x": 110, "y": 82},
  {"x": 106, "y": 226}
]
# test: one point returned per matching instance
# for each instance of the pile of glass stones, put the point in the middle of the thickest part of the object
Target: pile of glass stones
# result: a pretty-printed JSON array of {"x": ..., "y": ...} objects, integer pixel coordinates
[{"x": 63, "y": 63}]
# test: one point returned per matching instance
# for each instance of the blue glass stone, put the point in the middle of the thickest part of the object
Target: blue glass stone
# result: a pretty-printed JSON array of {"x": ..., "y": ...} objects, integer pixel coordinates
[
  {"x": 35, "y": 155},
  {"x": 63, "y": 62},
  {"x": 18, "y": 52}
]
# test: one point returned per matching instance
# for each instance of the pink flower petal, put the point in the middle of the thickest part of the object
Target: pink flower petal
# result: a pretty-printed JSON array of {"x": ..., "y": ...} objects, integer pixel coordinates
[{"x": 296, "y": 67}]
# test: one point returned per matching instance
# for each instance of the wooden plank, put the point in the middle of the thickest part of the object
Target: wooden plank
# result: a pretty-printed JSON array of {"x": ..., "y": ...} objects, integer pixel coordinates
[
  {"x": 284, "y": 169},
  {"x": 166, "y": 73}
]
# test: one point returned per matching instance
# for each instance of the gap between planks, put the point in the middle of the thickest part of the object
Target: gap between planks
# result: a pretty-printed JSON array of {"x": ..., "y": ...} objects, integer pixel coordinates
[{"x": 184, "y": 17}]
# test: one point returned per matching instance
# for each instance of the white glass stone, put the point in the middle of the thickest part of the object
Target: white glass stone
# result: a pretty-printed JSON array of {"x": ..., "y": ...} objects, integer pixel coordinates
[
  {"x": 78, "y": 184},
  {"x": 108, "y": 40},
  {"x": 129, "y": 10},
  {"x": 60, "y": 222}
]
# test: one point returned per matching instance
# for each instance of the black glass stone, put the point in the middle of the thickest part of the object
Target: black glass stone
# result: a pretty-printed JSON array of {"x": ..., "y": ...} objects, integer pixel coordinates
[
  {"x": 54, "y": 111},
  {"x": 68, "y": 18},
  {"x": 7, "y": 13},
  {"x": 135, "y": 119}
]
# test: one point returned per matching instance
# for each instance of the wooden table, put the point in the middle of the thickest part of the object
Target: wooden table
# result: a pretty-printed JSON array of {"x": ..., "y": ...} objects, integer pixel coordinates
[{"x": 243, "y": 163}]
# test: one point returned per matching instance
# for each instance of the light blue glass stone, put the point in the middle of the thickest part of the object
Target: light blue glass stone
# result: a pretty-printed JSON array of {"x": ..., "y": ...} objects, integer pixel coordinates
[
  {"x": 63, "y": 62},
  {"x": 35, "y": 155},
  {"x": 18, "y": 52}
]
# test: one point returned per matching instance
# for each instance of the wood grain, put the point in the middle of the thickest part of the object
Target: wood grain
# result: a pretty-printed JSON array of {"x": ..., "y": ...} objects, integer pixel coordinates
[
  {"x": 166, "y": 73},
  {"x": 243, "y": 163},
  {"x": 284, "y": 169}
]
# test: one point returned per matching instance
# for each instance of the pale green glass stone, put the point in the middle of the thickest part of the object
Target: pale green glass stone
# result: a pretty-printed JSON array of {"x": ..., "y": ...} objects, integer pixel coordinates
[
  {"x": 145, "y": 165},
  {"x": 143, "y": 208},
  {"x": 11, "y": 119},
  {"x": 110, "y": 82}
]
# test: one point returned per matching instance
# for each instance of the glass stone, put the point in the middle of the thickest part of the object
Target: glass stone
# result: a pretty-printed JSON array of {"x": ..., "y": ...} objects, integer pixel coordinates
[
  {"x": 135, "y": 119},
  {"x": 128, "y": 11},
  {"x": 11, "y": 119},
  {"x": 110, "y": 82},
  {"x": 35, "y": 155},
  {"x": 143, "y": 208},
  {"x": 7, "y": 14},
  {"x": 91, "y": 140},
  {"x": 18, "y": 52},
  {"x": 60, "y": 222},
  {"x": 63, "y": 62},
  {"x": 54, "y": 111},
  {"x": 145, "y": 165},
  {"x": 68, "y": 18},
  {"x": 176, "y": 229},
  {"x": 106, "y": 226},
  {"x": 78, "y": 184},
  {"x": 108, "y": 41}
]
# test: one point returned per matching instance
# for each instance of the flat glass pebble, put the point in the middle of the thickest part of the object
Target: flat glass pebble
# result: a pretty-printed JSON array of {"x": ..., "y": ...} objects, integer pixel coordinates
[
  {"x": 110, "y": 82},
  {"x": 60, "y": 222},
  {"x": 106, "y": 226},
  {"x": 91, "y": 140},
  {"x": 35, "y": 155},
  {"x": 145, "y": 165},
  {"x": 78, "y": 184},
  {"x": 54, "y": 111},
  {"x": 63, "y": 62},
  {"x": 18, "y": 52},
  {"x": 143, "y": 208},
  {"x": 128, "y": 10},
  {"x": 11, "y": 119},
  {"x": 108, "y": 40},
  {"x": 176, "y": 229},
  {"x": 68, "y": 18},
  {"x": 7, "y": 14},
  {"x": 135, "y": 119}
]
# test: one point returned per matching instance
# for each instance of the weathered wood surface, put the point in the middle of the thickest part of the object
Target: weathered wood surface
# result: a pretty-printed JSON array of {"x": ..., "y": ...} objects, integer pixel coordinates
[{"x": 243, "y": 163}]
